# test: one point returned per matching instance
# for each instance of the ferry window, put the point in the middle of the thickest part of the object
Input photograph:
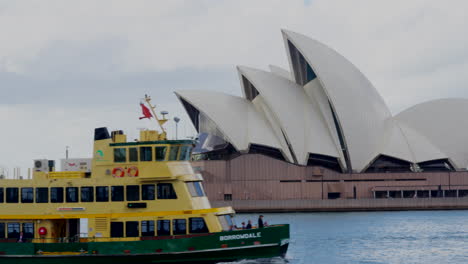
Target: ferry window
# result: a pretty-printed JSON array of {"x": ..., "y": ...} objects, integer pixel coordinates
[
  {"x": 116, "y": 229},
  {"x": 72, "y": 194},
  {"x": 164, "y": 227},
  {"x": 42, "y": 195},
  {"x": 147, "y": 228},
  {"x": 160, "y": 153},
  {"x": 87, "y": 194},
  {"x": 28, "y": 230},
  {"x": 131, "y": 229},
  {"x": 56, "y": 195},
  {"x": 197, "y": 225},
  {"x": 12, "y": 195},
  {"x": 120, "y": 155},
  {"x": 195, "y": 189},
  {"x": 1, "y": 195},
  {"x": 199, "y": 188},
  {"x": 132, "y": 154},
  {"x": 102, "y": 194},
  {"x": 133, "y": 193},
  {"x": 226, "y": 222},
  {"x": 166, "y": 191},
  {"x": 185, "y": 152},
  {"x": 2, "y": 230},
  {"x": 146, "y": 154},
  {"x": 117, "y": 193},
  {"x": 13, "y": 230},
  {"x": 179, "y": 227},
  {"x": 27, "y": 195},
  {"x": 148, "y": 192},
  {"x": 174, "y": 153}
]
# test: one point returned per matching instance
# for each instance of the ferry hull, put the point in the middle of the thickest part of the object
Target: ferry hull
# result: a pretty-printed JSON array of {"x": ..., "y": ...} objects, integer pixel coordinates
[{"x": 208, "y": 248}]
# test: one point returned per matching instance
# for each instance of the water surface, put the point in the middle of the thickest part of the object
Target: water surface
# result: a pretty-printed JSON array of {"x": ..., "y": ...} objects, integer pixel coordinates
[{"x": 374, "y": 237}]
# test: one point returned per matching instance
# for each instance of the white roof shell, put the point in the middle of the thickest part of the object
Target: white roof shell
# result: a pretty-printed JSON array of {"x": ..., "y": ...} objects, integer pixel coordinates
[
  {"x": 280, "y": 71},
  {"x": 444, "y": 123},
  {"x": 404, "y": 143},
  {"x": 362, "y": 115},
  {"x": 298, "y": 117},
  {"x": 235, "y": 117}
]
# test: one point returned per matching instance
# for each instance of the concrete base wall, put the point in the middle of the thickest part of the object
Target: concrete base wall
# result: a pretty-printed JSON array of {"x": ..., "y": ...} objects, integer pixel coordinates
[
  {"x": 345, "y": 205},
  {"x": 254, "y": 182}
]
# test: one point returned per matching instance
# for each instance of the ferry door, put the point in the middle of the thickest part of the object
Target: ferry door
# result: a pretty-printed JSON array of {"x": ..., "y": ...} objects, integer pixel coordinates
[
  {"x": 59, "y": 229},
  {"x": 73, "y": 229}
]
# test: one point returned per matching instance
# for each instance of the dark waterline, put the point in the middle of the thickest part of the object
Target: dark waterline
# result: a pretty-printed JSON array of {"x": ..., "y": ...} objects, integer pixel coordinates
[{"x": 374, "y": 237}]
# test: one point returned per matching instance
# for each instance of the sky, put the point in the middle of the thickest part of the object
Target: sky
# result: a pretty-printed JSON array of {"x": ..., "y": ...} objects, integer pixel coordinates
[{"x": 67, "y": 66}]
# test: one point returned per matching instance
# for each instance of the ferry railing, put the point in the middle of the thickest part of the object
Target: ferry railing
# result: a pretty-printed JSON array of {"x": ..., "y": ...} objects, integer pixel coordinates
[{"x": 79, "y": 239}]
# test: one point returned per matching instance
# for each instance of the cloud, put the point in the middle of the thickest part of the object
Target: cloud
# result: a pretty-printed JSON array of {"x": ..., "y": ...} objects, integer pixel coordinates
[{"x": 74, "y": 65}]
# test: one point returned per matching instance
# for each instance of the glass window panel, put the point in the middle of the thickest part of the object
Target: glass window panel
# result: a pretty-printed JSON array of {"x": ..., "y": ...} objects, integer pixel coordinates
[
  {"x": 28, "y": 230},
  {"x": 164, "y": 227},
  {"x": 226, "y": 222},
  {"x": 132, "y": 154},
  {"x": 197, "y": 225},
  {"x": 42, "y": 195},
  {"x": 174, "y": 153},
  {"x": 195, "y": 189},
  {"x": 87, "y": 194},
  {"x": 117, "y": 193},
  {"x": 133, "y": 193},
  {"x": 13, "y": 230},
  {"x": 117, "y": 229},
  {"x": 102, "y": 194},
  {"x": 148, "y": 192},
  {"x": 56, "y": 195},
  {"x": 146, "y": 154},
  {"x": 27, "y": 195},
  {"x": 191, "y": 189},
  {"x": 131, "y": 229},
  {"x": 199, "y": 188},
  {"x": 185, "y": 152},
  {"x": 147, "y": 228},
  {"x": 1, "y": 195},
  {"x": 72, "y": 194},
  {"x": 12, "y": 195},
  {"x": 120, "y": 155},
  {"x": 2, "y": 230},
  {"x": 160, "y": 153},
  {"x": 179, "y": 226},
  {"x": 166, "y": 191}
]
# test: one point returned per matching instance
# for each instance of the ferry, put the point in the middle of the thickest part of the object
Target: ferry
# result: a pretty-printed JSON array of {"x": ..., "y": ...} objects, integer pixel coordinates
[{"x": 140, "y": 202}]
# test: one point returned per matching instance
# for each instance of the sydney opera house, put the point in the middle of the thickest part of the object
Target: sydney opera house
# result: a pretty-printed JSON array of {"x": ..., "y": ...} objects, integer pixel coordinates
[{"x": 322, "y": 131}]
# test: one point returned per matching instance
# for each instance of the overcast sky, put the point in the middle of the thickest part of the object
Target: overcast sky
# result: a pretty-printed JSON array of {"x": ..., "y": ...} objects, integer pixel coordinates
[{"x": 67, "y": 67}]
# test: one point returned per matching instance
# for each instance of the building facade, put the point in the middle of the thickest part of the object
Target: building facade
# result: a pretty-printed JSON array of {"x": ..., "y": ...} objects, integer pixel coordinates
[{"x": 322, "y": 131}]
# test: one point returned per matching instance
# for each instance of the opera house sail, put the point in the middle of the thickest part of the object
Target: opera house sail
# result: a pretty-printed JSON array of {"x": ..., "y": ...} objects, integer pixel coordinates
[{"x": 323, "y": 117}]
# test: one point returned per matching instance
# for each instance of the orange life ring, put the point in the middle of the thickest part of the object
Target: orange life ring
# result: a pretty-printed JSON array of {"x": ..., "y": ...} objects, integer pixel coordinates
[
  {"x": 118, "y": 172},
  {"x": 132, "y": 171}
]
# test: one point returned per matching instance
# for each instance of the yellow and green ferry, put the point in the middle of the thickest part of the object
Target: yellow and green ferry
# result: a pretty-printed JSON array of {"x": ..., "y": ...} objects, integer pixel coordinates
[{"x": 141, "y": 202}]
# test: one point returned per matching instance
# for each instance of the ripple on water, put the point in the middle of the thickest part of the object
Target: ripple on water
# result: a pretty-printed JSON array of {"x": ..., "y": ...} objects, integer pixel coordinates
[{"x": 374, "y": 237}]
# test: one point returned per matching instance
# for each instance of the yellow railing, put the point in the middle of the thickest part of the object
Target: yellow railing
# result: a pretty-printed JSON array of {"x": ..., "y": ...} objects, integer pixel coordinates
[{"x": 66, "y": 174}]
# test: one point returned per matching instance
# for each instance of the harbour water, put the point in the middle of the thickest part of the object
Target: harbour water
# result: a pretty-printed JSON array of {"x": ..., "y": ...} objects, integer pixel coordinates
[{"x": 373, "y": 237}]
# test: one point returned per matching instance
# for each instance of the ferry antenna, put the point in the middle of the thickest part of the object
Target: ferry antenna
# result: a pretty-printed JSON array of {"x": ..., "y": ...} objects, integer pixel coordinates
[{"x": 159, "y": 121}]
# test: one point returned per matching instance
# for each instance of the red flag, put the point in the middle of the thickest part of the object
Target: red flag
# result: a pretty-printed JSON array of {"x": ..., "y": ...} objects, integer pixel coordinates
[{"x": 146, "y": 112}]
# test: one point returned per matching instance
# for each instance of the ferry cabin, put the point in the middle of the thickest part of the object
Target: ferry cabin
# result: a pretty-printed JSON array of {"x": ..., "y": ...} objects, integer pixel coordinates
[{"x": 135, "y": 190}]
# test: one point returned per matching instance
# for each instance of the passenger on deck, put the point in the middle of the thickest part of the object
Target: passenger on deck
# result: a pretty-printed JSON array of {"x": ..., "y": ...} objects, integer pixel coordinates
[
  {"x": 243, "y": 225},
  {"x": 20, "y": 238},
  {"x": 260, "y": 221},
  {"x": 249, "y": 225}
]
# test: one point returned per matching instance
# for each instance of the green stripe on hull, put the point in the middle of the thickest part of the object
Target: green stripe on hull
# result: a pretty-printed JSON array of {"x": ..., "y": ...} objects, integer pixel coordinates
[{"x": 210, "y": 248}]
